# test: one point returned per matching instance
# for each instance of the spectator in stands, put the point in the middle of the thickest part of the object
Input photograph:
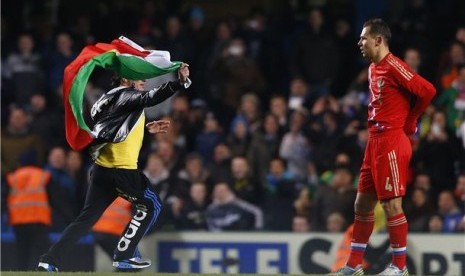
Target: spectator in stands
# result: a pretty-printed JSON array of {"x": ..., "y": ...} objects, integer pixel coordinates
[
  {"x": 312, "y": 179},
  {"x": 342, "y": 160},
  {"x": 449, "y": 210},
  {"x": 47, "y": 122},
  {"x": 168, "y": 186},
  {"x": 303, "y": 204},
  {"x": 262, "y": 42},
  {"x": 315, "y": 55},
  {"x": 438, "y": 152},
  {"x": 238, "y": 138},
  {"x": 82, "y": 31},
  {"x": 335, "y": 223},
  {"x": 207, "y": 139},
  {"x": 194, "y": 170},
  {"x": 279, "y": 108},
  {"x": 436, "y": 224},
  {"x": 448, "y": 66},
  {"x": 452, "y": 101},
  {"x": 300, "y": 95},
  {"x": 192, "y": 214},
  {"x": 177, "y": 137},
  {"x": 232, "y": 76},
  {"x": 229, "y": 213},
  {"x": 249, "y": 110},
  {"x": 56, "y": 165},
  {"x": 412, "y": 57},
  {"x": 337, "y": 197},
  {"x": 220, "y": 167},
  {"x": 175, "y": 40},
  {"x": 295, "y": 148},
  {"x": 244, "y": 183},
  {"x": 170, "y": 155},
  {"x": 59, "y": 59},
  {"x": 418, "y": 210},
  {"x": 171, "y": 189},
  {"x": 77, "y": 169},
  {"x": 197, "y": 32},
  {"x": 414, "y": 24},
  {"x": 150, "y": 22},
  {"x": 196, "y": 117},
  {"x": 179, "y": 114},
  {"x": 422, "y": 181},
  {"x": 353, "y": 142},
  {"x": 280, "y": 193},
  {"x": 347, "y": 67},
  {"x": 18, "y": 141},
  {"x": 326, "y": 139},
  {"x": 300, "y": 224},
  {"x": 24, "y": 69},
  {"x": 264, "y": 145},
  {"x": 359, "y": 87},
  {"x": 158, "y": 175},
  {"x": 224, "y": 31}
]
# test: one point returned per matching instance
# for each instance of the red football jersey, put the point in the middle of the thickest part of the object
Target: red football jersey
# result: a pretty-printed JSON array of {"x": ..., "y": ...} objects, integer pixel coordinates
[{"x": 392, "y": 85}]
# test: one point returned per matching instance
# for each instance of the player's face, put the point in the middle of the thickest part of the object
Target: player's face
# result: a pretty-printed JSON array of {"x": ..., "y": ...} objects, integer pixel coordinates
[{"x": 367, "y": 43}]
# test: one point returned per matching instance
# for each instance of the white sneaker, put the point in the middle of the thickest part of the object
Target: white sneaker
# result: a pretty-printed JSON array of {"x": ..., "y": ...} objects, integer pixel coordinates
[
  {"x": 42, "y": 266},
  {"x": 132, "y": 263},
  {"x": 347, "y": 270},
  {"x": 394, "y": 270}
]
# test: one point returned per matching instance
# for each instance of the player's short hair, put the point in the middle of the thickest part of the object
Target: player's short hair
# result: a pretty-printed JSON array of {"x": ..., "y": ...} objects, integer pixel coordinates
[{"x": 379, "y": 27}]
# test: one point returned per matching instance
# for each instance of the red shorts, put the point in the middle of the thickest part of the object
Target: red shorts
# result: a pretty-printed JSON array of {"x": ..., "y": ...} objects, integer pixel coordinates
[{"x": 385, "y": 165}]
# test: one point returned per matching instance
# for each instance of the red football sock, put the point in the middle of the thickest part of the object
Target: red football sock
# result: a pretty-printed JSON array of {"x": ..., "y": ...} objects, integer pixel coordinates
[
  {"x": 398, "y": 228},
  {"x": 363, "y": 226}
]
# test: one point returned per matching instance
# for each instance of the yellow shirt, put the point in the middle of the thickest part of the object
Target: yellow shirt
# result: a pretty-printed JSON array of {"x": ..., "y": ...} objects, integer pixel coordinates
[{"x": 124, "y": 155}]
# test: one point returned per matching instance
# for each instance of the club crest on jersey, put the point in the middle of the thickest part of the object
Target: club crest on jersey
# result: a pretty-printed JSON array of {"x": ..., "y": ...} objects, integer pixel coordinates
[{"x": 380, "y": 84}]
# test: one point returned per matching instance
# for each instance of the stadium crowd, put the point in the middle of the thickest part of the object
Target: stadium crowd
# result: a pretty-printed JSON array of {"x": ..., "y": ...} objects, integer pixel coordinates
[{"x": 272, "y": 132}]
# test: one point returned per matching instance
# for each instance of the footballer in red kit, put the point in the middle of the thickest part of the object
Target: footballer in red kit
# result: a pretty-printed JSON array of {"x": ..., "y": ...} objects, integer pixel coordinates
[
  {"x": 393, "y": 86},
  {"x": 398, "y": 98}
]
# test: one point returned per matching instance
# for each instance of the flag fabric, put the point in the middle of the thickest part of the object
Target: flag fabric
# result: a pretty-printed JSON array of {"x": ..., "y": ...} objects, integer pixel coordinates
[{"x": 123, "y": 56}]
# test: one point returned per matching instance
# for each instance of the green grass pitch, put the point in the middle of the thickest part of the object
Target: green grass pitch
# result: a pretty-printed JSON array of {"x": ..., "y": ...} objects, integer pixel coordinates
[{"x": 33, "y": 273}]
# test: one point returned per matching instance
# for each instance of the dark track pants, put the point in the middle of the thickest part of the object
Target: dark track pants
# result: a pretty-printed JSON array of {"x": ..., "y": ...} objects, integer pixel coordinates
[{"x": 106, "y": 185}]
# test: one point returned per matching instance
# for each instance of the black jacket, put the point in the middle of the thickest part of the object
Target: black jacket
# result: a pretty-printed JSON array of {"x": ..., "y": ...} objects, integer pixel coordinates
[{"x": 117, "y": 111}]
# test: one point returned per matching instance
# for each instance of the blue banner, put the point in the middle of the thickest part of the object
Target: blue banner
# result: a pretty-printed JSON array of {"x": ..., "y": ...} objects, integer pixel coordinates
[{"x": 223, "y": 257}]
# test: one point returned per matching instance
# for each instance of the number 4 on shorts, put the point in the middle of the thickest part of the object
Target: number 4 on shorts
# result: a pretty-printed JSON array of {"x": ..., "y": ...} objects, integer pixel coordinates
[{"x": 388, "y": 186}]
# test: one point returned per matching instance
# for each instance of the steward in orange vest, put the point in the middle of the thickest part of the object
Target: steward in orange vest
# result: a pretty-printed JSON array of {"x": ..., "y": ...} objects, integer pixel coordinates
[
  {"x": 28, "y": 200},
  {"x": 115, "y": 218},
  {"x": 29, "y": 213},
  {"x": 111, "y": 225}
]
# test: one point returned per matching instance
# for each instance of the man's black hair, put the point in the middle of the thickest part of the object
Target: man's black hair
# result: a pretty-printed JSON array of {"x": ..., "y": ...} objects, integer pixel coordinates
[
  {"x": 115, "y": 80},
  {"x": 379, "y": 27}
]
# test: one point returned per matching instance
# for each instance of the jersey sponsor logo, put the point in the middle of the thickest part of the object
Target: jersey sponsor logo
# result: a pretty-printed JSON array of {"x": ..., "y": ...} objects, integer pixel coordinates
[{"x": 133, "y": 227}]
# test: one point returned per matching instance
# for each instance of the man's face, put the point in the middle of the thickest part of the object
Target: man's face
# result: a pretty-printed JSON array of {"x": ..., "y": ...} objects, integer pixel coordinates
[
  {"x": 139, "y": 84},
  {"x": 367, "y": 43}
]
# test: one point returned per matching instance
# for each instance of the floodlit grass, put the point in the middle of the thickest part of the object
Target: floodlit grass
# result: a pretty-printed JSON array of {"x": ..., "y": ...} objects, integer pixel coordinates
[{"x": 34, "y": 273}]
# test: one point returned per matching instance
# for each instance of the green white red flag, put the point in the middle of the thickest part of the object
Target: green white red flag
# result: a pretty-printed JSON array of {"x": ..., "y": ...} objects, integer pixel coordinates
[{"x": 123, "y": 56}]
